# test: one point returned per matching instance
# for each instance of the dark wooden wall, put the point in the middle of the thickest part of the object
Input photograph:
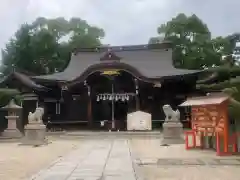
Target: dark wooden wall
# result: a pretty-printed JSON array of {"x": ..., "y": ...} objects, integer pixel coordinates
[
  {"x": 70, "y": 110},
  {"x": 151, "y": 99},
  {"x": 28, "y": 106}
]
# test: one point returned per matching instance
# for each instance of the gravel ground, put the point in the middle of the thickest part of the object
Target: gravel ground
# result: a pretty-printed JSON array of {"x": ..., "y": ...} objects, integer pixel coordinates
[
  {"x": 21, "y": 162},
  {"x": 150, "y": 157}
]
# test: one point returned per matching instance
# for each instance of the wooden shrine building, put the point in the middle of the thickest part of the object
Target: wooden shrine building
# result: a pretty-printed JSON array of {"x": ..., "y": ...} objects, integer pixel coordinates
[{"x": 105, "y": 84}]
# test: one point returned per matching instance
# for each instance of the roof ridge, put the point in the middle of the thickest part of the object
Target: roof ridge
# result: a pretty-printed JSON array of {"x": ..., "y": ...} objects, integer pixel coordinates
[{"x": 163, "y": 45}]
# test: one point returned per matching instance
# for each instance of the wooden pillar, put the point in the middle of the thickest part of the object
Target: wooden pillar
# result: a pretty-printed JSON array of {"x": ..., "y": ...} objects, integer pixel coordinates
[
  {"x": 226, "y": 128},
  {"x": 30, "y": 103},
  {"x": 89, "y": 107},
  {"x": 137, "y": 95},
  {"x": 89, "y": 112},
  {"x": 137, "y": 102}
]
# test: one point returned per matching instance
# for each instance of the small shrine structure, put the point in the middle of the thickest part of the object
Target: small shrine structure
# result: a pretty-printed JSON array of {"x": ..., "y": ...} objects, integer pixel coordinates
[{"x": 210, "y": 124}]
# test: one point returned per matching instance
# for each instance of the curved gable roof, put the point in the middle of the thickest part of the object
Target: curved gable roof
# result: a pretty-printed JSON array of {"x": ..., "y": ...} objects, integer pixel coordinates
[{"x": 149, "y": 63}]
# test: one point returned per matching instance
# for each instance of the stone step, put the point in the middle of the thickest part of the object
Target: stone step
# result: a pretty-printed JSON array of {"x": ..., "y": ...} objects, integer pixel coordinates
[{"x": 113, "y": 134}]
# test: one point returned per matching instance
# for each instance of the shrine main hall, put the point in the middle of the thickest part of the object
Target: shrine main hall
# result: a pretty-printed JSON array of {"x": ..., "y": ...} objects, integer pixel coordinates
[{"x": 104, "y": 84}]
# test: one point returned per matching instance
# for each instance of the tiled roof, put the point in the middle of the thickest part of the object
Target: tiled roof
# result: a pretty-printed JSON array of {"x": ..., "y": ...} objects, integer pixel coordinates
[
  {"x": 150, "y": 63},
  {"x": 215, "y": 98}
]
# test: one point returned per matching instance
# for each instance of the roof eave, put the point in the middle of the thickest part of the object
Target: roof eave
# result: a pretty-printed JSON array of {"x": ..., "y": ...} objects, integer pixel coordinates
[{"x": 25, "y": 80}]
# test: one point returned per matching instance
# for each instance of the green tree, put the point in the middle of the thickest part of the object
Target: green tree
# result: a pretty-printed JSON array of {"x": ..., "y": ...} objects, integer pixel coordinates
[
  {"x": 44, "y": 46},
  {"x": 193, "y": 46}
]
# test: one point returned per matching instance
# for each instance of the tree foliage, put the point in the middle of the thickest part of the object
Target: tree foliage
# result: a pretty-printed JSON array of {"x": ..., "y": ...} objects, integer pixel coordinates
[
  {"x": 193, "y": 46},
  {"x": 44, "y": 46},
  {"x": 7, "y": 94}
]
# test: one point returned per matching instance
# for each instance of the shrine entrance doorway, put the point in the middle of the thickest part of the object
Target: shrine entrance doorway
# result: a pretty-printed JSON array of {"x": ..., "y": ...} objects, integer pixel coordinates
[
  {"x": 113, "y": 97},
  {"x": 103, "y": 111}
]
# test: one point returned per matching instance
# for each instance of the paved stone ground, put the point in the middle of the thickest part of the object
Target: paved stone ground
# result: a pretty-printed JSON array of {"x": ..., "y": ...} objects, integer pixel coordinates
[
  {"x": 116, "y": 159},
  {"x": 143, "y": 159},
  {"x": 95, "y": 160}
]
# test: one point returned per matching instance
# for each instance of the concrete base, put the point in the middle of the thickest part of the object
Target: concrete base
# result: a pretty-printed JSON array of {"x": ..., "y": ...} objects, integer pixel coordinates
[
  {"x": 172, "y": 133},
  {"x": 35, "y": 135},
  {"x": 11, "y": 133}
]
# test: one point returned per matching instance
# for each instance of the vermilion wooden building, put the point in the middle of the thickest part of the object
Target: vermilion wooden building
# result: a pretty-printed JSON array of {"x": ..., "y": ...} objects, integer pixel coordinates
[{"x": 210, "y": 120}]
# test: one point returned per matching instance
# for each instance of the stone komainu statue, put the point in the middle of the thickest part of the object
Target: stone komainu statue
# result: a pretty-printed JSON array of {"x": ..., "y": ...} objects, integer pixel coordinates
[
  {"x": 171, "y": 115},
  {"x": 36, "y": 117}
]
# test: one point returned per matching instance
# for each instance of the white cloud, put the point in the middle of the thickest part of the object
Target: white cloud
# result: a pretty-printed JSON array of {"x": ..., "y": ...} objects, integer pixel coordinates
[{"x": 125, "y": 21}]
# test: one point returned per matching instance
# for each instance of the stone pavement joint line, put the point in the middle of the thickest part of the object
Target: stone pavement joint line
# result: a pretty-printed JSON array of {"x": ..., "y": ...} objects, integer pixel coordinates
[
  {"x": 119, "y": 164},
  {"x": 96, "y": 160}
]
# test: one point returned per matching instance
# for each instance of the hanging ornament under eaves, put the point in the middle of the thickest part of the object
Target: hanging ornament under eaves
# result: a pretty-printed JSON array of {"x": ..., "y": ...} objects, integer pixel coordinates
[
  {"x": 116, "y": 97},
  {"x": 98, "y": 98},
  {"x": 127, "y": 97},
  {"x": 104, "y": 97},
  {"x": 111, "y": 97},
  {"x": 122, "y": 97}
]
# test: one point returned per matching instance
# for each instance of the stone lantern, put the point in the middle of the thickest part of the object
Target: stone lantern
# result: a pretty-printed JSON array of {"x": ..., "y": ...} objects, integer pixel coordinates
[{"x": 12, "y": 131}]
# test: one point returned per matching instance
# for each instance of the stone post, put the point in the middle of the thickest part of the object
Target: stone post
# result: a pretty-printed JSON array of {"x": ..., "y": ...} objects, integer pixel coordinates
[
  {"x": 172, "y": 127},
  {"x": 12, "y": 131}
]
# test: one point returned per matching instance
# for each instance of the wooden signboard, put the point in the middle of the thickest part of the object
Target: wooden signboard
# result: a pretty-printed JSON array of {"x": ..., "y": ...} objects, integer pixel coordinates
[
  {"x": 208, "y": 119},
  {"x": 111, "y": 72}
]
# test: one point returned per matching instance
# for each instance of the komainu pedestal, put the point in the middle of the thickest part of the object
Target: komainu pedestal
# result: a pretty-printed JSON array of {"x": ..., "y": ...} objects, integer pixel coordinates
[
  {"x": 35, "y": 131},
  {"x": 172, "y": 127}
]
